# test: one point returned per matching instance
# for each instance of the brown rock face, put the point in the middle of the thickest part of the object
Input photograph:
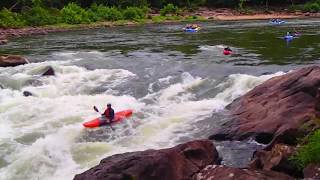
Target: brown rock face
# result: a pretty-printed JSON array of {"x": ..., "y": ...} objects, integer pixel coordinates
[
  {"x": 277, "y": 160},
  {"x": 12, "y": 60},
  {"x": 312, "y": 171},
  {"x": 177, "y": 163},
  {"x": 280, "y": 109},
  {"x": 216, "y": 172}
]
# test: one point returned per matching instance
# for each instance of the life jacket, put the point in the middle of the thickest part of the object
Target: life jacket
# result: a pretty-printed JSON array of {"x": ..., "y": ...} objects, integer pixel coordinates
[{"x": 109, "y": 113}]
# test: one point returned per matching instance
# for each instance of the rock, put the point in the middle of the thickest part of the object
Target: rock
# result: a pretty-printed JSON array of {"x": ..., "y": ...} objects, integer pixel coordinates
[
  {"x": 228, "y": 173},
  {"x": 277, "y": 160},
  {"x": 277, "y": 111},
  {"x": 312, "y": 171},
  {"x": 180, "y": 162},
  {"x": 12, "y": 60},
  {"x": 3, "y": 41},
  {"x": 49, "y": 71},
  {"x": 27, "y": 93}
]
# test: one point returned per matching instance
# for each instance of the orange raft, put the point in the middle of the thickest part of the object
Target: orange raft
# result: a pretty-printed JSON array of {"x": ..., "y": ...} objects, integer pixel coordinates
[{"x": 119, "y": 116}]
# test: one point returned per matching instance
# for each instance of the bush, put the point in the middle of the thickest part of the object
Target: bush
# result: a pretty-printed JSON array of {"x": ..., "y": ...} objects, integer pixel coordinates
[
  {"x": 312, "y": 7},
  {"x": 134, "y": 13},
  {"x": 310, "y": 152},
  {"x": 74, "y": 14},
  {"x": 9, "y": 19},
  {"x": 294, "y": 8},
  {"x": 98, "y": 13},
  {"x": 39, "y": 16},
  {"x": 169, "y": 9}
]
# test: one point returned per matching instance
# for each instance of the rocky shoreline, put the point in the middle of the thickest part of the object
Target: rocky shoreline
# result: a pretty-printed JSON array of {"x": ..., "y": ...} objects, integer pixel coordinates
[{"x": 276, "y": 113}]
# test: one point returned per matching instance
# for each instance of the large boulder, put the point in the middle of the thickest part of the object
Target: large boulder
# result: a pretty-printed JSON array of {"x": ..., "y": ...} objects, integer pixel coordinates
[
  {"x": 229, "y": 173},
  {"x": 312, "y": 171},
  {"x": 12, "y": 60},
  {"x": 279, "y": 110},
  {"x": 178, "y": 163}
]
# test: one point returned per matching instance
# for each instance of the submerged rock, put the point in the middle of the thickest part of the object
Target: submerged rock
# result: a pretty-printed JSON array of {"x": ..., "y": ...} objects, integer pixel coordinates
[
  {"x": 180, "y": 162},
  {"x": 279, "y": 110},
  {"x": 49, "y": 71},
  {"x": 12, "y": 60},
  {"x": 27, "y": 93},
  {"x": 228, "y": 173}
]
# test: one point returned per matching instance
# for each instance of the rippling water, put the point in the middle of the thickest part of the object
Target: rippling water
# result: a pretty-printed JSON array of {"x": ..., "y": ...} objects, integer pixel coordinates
[{"x": 177, "y": 83}]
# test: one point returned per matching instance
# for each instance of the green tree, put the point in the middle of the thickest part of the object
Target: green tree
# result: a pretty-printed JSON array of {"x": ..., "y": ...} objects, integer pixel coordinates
[{"x": 74, "y": 14}]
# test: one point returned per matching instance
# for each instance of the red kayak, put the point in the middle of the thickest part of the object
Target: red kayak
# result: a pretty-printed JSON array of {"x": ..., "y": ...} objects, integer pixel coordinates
[
  {"x": 119, "y": 116},
  {"x": 226, "y": 52}
]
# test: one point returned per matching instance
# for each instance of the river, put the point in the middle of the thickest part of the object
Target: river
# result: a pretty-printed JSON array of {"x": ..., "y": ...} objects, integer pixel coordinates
[{"x": 177, "y": 83}]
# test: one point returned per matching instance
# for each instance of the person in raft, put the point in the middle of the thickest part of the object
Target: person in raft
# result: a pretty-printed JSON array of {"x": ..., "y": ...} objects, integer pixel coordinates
[
  {"x": 227, "y": 49},
  {"x": 108, "y": 115}
]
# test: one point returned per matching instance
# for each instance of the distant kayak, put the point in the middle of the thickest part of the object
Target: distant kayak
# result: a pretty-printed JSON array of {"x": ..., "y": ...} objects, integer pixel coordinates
[
  {"x": 226, "y": 52},
  {"x": 288, "y": 37},
  {"x": 191, "y": 29},
  {"x": 277, "y": 22},
  {"x": 119, "y": 116}
]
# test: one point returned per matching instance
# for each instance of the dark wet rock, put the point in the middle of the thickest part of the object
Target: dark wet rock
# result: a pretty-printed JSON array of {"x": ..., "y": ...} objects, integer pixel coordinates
[
  {"x": 12, "y": 60},
  {"x": 49, "y": 71},
  {"x": 3, "y": 41},
  {"x": 27, "y": 93},
  {"x": 277, "y": 160},
  {"x": 228, "y": 173},
  {"x": 312, "y": 171},
  {"x": 180, "y": 162},
  {"x": 266, "y": 73},
  {"x": 277, "y": 111}
]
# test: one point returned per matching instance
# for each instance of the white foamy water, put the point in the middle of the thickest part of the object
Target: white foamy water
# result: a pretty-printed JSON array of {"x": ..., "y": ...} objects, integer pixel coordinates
[{"x": 42, "y": 137}]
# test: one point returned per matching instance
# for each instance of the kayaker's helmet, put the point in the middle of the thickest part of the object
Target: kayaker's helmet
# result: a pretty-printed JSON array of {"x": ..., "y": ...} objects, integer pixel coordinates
[{"x": 108, "y": 105}]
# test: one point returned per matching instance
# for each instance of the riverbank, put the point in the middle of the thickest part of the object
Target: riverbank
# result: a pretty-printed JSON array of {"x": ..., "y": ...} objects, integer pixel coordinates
[{"x": 202, "y": 14}]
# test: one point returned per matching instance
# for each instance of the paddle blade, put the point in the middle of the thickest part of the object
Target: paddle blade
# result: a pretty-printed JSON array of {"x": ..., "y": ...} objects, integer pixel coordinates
[{"x": 95, "y": 108}]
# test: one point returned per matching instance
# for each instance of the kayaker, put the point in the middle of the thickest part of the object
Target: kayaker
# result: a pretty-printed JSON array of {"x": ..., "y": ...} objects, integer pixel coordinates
[
  {"x": 108, "y": 114},
  {"x": 227, "y": 49},
  {"x": 194, "y": 26}
]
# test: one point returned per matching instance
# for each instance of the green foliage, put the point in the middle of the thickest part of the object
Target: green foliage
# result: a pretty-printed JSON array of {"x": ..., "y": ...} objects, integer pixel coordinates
[
  {"x": 311, "y": 7},
  {"x": 158, "y": 19},
  {"x": 99, "y": 13},
  {"x": 241, "y": 4},
  {"x": 10, "y": 19},
  {"x": 310, "y": 152},
  {"x": 130, "y": 3},
  {"x": 74, "y": 14},
  {"x": 169, "y": 9},
  {"x": 294, "y": 8},
  {"x": 222, "y": 3},
  {"x": 38, "y": 16},
  {"x": 134, "y": 13}
]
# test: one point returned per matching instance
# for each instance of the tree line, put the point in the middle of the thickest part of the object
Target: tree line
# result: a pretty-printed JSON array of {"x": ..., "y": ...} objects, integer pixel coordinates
[
  {"x": 19, "y": 13},
  {"x": 18, "y": 5}
]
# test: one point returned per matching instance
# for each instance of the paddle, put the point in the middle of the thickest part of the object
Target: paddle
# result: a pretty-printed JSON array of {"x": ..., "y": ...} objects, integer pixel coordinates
[{"x": 96, "y": 109}]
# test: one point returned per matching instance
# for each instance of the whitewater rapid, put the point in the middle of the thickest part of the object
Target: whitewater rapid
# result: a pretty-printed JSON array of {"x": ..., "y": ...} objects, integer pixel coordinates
[{"x": 42, "y": 137}]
